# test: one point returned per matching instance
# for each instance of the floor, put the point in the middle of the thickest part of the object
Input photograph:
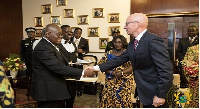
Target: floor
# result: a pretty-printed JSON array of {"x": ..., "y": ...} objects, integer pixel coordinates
[{"x": 84, "y": 101}]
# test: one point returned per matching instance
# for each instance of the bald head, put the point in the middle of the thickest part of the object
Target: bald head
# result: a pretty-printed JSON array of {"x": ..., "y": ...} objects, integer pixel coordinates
[
  {"x": 53, "y": 33},
  {"x": 141, "y": 18},
  {"x": 136, "y": 23}
]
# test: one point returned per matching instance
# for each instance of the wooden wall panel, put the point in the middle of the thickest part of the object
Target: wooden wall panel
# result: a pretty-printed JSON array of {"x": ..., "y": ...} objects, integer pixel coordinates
[
  {"x": 164, "y": 6},
  {"x": 11, "y": 26}
]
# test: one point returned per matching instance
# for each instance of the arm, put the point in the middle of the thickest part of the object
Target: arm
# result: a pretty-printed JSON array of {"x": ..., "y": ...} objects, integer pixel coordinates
[{"x": 160, "y": 57}]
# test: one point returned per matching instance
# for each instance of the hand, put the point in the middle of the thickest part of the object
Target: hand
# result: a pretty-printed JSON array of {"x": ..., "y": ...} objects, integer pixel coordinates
[
  {"x": 117, "y": 74},
  {"x": 158, "y": 101},
  {"x": 89, "y": 72},
  {"x": 80, "y": 51}
]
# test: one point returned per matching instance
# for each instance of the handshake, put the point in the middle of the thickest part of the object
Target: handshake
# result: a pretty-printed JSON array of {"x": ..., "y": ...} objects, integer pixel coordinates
[{"x": 90, "y": 72}]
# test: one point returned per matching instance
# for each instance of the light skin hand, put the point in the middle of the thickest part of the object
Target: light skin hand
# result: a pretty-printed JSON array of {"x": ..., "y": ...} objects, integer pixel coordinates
[
  {"x": 158, "y": 101},
  {"x": 89, "y": 72}
]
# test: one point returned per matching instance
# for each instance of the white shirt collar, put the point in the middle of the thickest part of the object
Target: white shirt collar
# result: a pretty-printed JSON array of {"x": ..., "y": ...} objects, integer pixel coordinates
[
  {"x": 68, "y": 46},
  {"x": 77, "y": 39},
  {"x": 140, "y": 35}
]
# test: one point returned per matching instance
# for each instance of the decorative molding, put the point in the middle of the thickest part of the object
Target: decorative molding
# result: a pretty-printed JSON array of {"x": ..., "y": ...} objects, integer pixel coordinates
[{"x": 173, "y": 14}]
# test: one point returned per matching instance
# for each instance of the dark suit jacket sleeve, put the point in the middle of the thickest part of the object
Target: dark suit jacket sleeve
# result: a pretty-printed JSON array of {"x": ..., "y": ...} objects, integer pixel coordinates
[
  {"x": 49, "y": 60},
  {"x": 160, "y": 57},
  {"x": 83, "y": 44},
  {"x": 114, "y": 62},
  {"x": 179, "y": 50}
]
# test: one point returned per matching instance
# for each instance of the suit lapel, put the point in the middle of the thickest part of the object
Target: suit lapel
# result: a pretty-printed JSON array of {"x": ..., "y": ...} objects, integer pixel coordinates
[{"x": 139, "y": 46}]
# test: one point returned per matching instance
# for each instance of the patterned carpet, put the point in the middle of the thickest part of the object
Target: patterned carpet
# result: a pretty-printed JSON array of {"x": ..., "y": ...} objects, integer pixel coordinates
[{"x": 84, "y": 101}]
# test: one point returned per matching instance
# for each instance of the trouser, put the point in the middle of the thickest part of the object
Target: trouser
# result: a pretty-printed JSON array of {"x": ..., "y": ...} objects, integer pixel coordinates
[{"x": 51, "y": 104}]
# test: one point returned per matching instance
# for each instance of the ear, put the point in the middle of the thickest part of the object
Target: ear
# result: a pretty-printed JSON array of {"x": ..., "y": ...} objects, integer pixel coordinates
[{"x": 47, "y": 34}]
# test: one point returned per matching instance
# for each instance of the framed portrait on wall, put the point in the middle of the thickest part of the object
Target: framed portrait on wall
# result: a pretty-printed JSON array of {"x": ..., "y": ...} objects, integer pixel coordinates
[
  {"x": 47, "y": 9},
  {"x": 38, "y": 33},
  {"x": 61, "y": 2},
  {"x": 93, "y": 32},
  {"x": 83, "y": 19},
  {"x": 38, "y": 21},
  {"x": 73, "y": 28},
  {"x": 113, "y": 28},
  {"x": 68, "y": 13},
  {"x": 56, "y": 20},
  {"x": 114, "y": 18},
  {"x": 103, "y": 43},
  {"x": 98, "y": 13}
]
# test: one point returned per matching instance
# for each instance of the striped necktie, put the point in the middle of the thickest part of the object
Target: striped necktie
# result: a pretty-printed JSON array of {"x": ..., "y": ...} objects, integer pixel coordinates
[{"x": 135, "y": 44}]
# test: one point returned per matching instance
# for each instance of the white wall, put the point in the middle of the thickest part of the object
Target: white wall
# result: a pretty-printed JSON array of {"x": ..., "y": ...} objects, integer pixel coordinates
[{"x": 32, "y": 9}]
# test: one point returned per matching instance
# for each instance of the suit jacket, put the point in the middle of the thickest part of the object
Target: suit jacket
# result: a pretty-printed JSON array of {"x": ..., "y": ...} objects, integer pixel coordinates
[
  {"x": 49, "y": 68},
  {"x": 151, "y": 64},
  {"x": 83, "y": 44},
  {"x": 183, "y": 45}
]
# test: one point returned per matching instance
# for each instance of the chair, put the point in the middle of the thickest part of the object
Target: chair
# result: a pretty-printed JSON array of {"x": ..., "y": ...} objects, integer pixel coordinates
[
  {"x": 92, "y": 58},
  {"x": 90, "y": 88}
]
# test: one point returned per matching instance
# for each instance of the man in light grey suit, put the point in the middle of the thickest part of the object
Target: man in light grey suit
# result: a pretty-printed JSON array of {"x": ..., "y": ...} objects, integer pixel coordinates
[{"x": 153, "y": 72}]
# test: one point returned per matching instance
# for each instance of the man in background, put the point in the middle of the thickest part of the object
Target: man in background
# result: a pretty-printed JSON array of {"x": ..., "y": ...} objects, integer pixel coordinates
[
  {"x": 82, "y": 48},
  {"x": 184, "y": 44},
  {"x": 110, "y": 44},
  {"x": 70, "y": 52},
  {"x": 26, "y": 49}
]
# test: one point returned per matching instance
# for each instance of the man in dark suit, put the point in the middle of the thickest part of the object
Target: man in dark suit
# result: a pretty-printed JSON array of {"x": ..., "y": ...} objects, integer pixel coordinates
[
  {"x": 49, "y": 70},
  {"x": 70, "y": 52},
  {"x": 82, "y": 48},
  {"x": 150, "y": 60},
  {"x": 184, "y": 44}
]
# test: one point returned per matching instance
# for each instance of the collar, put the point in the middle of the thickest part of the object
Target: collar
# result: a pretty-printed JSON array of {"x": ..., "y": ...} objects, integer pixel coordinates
[
  {"x": 76, "y": 39},
  {"x": 51, "y": 43},
  {"x": 63, "y": 41},
  {"x": 140, "y": 35}
]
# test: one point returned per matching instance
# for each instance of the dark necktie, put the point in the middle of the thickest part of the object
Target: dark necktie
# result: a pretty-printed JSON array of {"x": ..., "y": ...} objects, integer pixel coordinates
[{"x": 135, "y": 44}]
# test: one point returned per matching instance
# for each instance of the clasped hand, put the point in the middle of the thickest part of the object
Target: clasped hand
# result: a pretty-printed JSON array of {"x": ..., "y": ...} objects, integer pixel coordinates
[
  {"x": 117, "y": 74},
  {"x": 89, "y": 72}
]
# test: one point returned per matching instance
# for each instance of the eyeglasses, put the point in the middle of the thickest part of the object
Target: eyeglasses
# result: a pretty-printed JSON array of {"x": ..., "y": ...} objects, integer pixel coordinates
[
  {"x": 126, "y": 24},
  {"x": 57, "y": 34}
]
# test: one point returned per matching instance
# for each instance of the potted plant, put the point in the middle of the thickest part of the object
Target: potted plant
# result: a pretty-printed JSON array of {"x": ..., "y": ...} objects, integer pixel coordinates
[{"x": 13, "y": 64}]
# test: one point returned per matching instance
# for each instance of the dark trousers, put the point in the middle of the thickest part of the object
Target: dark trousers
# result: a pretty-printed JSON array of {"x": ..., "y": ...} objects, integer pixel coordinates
[
  {"x": 162, "y": 106},
  {"x": 69, "y": 103},
  {"x": 51, "y": 104}
]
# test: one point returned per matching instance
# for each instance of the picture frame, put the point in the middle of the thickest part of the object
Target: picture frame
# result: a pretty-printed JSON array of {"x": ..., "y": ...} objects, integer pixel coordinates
[
  {"x": 68, "y": 13},
  {"x": 103, "y": 43},
  {"x": 93, "y": 32},
  {"x": 83, "y": 19},
  {"x": 98, "y": 12},
  {"x": 56, "y": 20},
  {"x": 38, "y": 21},
  {"x": 38, "y": 33},
  {"x": 61, "y": 2},
  {"x": 113, "y": 28},
  {"x": 47, "y": 9},
  {"x": 73, "y": 28},
  {"x": 114, "y": 18}
]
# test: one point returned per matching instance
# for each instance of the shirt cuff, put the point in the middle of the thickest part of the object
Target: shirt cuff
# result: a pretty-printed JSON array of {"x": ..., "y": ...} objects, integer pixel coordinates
[{"x": 96, "y": 67}]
